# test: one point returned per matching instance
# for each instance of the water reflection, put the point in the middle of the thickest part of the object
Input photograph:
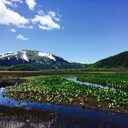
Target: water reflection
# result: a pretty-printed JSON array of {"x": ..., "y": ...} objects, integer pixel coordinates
[
  {"x": 67, "y": 116},
  {"x": 21, "y": 124},
  {"x": 66, "y": 122}
]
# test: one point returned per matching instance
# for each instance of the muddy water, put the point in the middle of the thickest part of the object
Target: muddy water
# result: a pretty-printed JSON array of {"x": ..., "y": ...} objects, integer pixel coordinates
[{"x": 67, "y": 116}]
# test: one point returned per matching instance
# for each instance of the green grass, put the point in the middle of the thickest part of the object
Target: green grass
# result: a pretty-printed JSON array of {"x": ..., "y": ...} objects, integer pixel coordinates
[
  {"x": 56, "y": 89},
  {"x": 115, "y": 80}
]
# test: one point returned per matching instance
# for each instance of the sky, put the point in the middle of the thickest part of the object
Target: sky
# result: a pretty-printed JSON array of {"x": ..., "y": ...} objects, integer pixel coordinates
[{"x": 77, "y": 30}]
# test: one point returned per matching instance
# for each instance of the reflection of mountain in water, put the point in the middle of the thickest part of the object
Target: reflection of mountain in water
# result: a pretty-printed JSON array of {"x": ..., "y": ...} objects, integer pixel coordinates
[
  {"x": 64, "y": 122},
  {"x": 27, "y": 124}
]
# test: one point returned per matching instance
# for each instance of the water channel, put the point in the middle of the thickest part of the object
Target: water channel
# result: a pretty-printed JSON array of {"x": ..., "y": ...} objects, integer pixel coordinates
[{"x": 74, "y": 79}]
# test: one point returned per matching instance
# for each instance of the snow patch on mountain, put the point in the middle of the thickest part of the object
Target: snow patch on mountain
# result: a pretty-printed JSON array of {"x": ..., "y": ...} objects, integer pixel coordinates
[
  {"x": 50, "y": 56},
  {"x": 24, "y": 56},
  {"x": 8, "y": 54},
  {"x": 8, "y": 58}
]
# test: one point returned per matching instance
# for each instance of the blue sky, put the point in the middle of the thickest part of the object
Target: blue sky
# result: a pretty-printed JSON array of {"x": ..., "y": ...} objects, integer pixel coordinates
[{"x": 77, "y": 30}]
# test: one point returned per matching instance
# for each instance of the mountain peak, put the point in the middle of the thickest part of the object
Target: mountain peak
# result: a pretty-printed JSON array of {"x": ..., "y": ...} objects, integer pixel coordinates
[
  {"x": 48, "y": 55},
  {"x": 36, "y": 58},
  {"x": 27, "y": 52}
]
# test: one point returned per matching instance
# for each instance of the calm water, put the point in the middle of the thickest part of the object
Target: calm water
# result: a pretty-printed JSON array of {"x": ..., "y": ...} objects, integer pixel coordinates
[
  {"x": 21, "y": 124},
  {"x": 74, "y": 79},
  {"x": 68, "y": 117}
]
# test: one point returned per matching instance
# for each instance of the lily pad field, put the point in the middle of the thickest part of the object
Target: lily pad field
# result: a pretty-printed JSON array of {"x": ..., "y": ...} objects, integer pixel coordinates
[{"x": 56, "y": 89}]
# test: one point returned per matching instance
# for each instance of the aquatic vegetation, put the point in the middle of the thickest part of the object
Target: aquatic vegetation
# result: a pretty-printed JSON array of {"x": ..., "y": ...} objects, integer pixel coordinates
[
  {"x": 56, "y": 89},
  {"x": 113, "y": 80}
]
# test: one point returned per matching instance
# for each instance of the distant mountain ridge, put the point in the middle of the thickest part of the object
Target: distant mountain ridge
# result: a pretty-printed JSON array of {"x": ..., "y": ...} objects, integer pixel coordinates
[
  {"x": 117, "y": 61},
  {"x": 38, "y": 59}
]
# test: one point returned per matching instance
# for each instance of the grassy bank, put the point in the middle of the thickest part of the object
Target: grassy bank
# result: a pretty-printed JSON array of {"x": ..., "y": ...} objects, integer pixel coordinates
[
  {"x": 11, "y": 74},
  {"x": 112, "y": 80},
  {"x": 55, "y": 89}
]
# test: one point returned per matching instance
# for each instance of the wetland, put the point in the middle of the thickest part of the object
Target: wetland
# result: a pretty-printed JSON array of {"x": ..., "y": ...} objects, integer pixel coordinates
[{"x": 61, "y": 103}]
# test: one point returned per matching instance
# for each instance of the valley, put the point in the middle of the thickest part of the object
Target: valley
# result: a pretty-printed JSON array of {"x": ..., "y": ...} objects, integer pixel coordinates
[{"x": 50, "y": 97}]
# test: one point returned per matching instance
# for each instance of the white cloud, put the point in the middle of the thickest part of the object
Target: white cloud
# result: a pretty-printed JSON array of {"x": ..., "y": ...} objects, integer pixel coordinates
[
  {"x": 40, "y": 12},
  {"x": 21, "y": 37},
  {"x": 8, "y": 16},
  {"x": 46, "y": 22},
  {"x": 9, "y": 3},
  {"x": 12, "y": 30},
  {"x": 44, "y": 27},
  {"x": 26, "y": 27},
  {"x": 6, "y": 2},
  {"x": 53, "y": 15},
  {"x": 20, "y": 1},
  {"x": 31, "y": 4}
]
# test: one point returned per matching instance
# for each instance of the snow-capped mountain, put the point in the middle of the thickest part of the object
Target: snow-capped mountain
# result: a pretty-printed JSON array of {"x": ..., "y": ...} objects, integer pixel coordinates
[{"x": 36, "y": 58}]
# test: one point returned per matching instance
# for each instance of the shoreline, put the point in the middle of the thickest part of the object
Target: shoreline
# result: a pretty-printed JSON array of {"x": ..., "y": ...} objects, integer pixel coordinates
[
  {"x": 116, "y": 86},
  {"x": 89, "y": 103},
  {"x": 5, "y": 82}
]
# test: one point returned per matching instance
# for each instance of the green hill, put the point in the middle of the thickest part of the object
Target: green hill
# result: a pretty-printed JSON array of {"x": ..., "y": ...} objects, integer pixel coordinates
[{"x": 116, "y": 61}]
